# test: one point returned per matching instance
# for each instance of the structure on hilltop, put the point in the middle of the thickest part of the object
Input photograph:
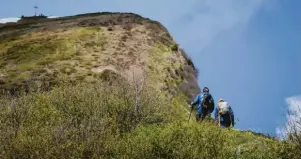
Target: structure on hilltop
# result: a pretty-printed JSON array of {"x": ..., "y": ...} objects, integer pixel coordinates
[{"x": 32, "y": 18}]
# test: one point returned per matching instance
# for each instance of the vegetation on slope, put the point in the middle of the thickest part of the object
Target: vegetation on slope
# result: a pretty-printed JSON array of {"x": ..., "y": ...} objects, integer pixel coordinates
[
  {"x": 84, "y": 46},
  {"x": 104, "y": 120},
  {"x": 94, "y": 106}
]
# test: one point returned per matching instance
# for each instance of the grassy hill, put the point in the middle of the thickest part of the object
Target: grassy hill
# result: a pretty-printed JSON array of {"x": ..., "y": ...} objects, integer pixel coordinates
[
  {"x": 107, "y": 85},
  {"x": 83, "y": 47}
]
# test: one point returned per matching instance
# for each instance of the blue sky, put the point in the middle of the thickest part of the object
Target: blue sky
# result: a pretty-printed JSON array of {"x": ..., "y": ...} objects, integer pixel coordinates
[{"x": 247, "y": 51}]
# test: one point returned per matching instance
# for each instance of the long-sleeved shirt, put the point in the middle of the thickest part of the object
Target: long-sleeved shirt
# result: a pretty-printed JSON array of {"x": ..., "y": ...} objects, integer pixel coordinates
[
  {"x": 199, "y": 101},
  {"x": 216, "y": 113}
]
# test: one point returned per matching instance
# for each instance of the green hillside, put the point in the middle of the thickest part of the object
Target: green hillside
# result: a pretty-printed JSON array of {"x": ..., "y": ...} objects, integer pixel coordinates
[
  {"x": 107, "y": 85},
  {"x": 84, "y": 46}
]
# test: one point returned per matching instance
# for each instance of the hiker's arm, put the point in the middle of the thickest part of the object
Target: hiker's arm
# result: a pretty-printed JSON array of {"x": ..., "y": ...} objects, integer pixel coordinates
[
  {"x": 216, "y": 113},
  {"x": 212, "y": 100},
  {"x": 231, "y": 111},
  {"x": 232, "y": 115},
  {"x": 196, "y": 100},
  {"x": 201, "y": 98}
]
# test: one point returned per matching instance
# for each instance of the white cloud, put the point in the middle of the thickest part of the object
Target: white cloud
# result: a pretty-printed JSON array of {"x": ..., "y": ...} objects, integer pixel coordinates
[
  {"x": 6, "y": 20},
  {"x": 293, "y": 117},
  {"x": 53, "y": 17}
]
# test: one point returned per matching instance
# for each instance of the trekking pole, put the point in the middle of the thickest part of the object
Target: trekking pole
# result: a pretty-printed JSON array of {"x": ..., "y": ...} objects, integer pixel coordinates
[
  {"x": 236, "y": 120},
  {"x": 219, "y": 120}
]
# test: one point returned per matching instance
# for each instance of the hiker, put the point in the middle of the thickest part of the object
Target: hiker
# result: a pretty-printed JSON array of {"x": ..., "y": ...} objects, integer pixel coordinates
[
  {"x": 224, "y": 114},
  {"x": 205, "y": 104}
]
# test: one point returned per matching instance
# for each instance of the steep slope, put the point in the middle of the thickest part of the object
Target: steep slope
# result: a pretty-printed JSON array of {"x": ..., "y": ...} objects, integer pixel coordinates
[
  {"x": 99, "y": 115},
  {"x": 83, "y": 47}
]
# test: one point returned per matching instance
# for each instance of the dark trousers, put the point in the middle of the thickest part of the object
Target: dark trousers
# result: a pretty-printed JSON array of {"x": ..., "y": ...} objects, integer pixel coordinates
[
  {"x": 201, "y": 116},
  {"x": 225, "y": 120}
]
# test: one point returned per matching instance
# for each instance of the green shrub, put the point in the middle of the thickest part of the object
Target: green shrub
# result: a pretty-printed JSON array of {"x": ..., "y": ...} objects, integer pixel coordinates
[
  {"x": 192, "y": 140},
  {"x": 73, "y": 120},
  {"x": 174, "y": 47},
  {"x": 117, "y": 120}
]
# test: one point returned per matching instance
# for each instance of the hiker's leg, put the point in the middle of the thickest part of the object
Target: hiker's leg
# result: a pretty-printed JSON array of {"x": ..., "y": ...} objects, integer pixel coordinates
[
  {"x": 224, "y": 124},
  {"x": 199, "y": 113},
  {"x": 204, "y": 113},
  {"x": 227, "y": 124},
  {"x": 203, "y": 116},
  {"x": 227, "y": 121},
  {"x": 198, "y": 117}
]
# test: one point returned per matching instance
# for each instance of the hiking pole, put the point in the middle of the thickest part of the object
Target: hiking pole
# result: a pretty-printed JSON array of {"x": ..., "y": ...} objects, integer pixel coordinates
[
  {"x": 219, "y": 120},
  {"x": 236, "y": 120}
]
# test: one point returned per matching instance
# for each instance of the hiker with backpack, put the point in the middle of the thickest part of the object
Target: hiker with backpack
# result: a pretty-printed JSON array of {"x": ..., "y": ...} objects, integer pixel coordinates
[
  {"x": 205, "y": 104},
  {"x": 224, "y": 114}
]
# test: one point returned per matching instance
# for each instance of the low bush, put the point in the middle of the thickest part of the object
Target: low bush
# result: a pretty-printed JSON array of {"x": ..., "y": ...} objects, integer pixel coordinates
[
  {"x": 174, "y": 47},
  {"x": 193, "y": 140},
  {"x": 187, "y": 58},
  {"x": 117, "y": 120},
  {"x": 74, "y": 120}
]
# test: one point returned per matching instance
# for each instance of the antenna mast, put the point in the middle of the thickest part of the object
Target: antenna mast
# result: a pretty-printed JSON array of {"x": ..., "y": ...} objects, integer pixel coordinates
[{"x": 36, "y": 8}]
